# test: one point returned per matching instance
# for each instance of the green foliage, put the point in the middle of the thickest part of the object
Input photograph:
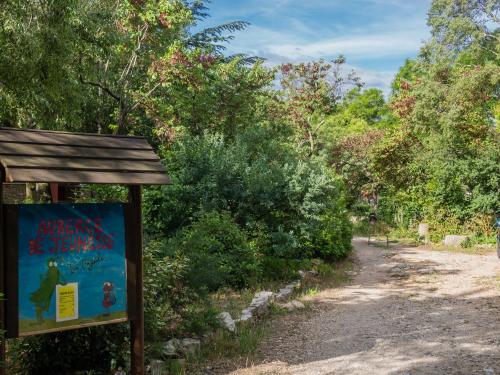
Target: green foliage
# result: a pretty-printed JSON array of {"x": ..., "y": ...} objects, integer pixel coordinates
[
  {"x": 351, "y": 133},
  {"x": 99, "y": 349},
  {"x": 359, "y": 112},
  {"x": 280, "y": 201},
  {"x": 334, "y": 238},
  {"x": 309, "y": 93},
  {"x": 442, "y": 164},
  {"x": 409, "y": 72},
  {"x": 458, "y": 25},
  {"x": 173, "y": 307},
  {"x": 101, "y": 193},
  {"x": 248, "y": 201},
  {"x": 275, "y": 268},
  {"x": 218, "y": 253},
  {"x": 117, "y": 66}
]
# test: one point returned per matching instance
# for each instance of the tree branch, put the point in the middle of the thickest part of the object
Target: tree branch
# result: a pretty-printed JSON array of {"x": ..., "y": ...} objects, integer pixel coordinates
[
  {"x": 103, "y": 88},
  {"x": 146, "y": 95}
]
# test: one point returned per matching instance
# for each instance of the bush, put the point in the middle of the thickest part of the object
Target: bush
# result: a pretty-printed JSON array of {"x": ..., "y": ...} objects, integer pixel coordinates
[
  {"x": 100, "y": 349},
  {"x": 275, "y": 268},
  {"x": 334, "y": 238},
  {"x": 172, "y": 306},
  {"x": 286, "y": 205},
  {"x": 218, "y": 253}
]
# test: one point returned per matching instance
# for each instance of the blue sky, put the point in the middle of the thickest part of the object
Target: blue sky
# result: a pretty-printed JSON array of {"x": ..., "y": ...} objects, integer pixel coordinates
[{"x": 375, "y": 35}]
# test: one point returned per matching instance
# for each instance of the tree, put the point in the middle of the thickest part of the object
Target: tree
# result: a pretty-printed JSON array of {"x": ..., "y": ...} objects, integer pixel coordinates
[
  {"x": 310, "y": 92},
  {"x": 446, "y": 103},
  {"x": 458, "y": 25},
  {"x": 94, "y": 66}
]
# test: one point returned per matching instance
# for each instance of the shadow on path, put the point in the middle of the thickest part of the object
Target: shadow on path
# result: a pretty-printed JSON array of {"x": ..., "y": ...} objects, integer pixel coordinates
[{"x": 407, "y": 311}]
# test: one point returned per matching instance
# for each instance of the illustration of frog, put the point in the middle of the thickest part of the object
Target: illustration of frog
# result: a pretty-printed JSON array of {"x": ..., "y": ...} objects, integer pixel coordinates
[{"x": 42, "y": 296}]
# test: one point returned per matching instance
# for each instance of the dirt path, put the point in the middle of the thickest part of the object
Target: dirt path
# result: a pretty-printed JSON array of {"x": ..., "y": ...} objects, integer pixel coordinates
[{"x": 407, "y": 311}]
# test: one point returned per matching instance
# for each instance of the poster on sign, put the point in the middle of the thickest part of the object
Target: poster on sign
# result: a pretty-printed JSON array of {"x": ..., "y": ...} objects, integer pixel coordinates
[{"x": 72, "y": 266}]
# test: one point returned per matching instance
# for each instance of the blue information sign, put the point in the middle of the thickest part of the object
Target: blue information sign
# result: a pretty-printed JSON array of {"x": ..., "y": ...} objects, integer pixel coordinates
[{"x": 72, "y": 266}]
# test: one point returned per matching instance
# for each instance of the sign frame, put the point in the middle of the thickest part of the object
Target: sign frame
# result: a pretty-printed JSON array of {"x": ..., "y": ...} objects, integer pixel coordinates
[
  {"x": 9, "y": 264},
  {"x": 11, "y": 220}
]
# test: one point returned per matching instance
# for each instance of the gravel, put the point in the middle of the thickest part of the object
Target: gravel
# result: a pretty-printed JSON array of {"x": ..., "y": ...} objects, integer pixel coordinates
[{"x": 406, "y": 311}]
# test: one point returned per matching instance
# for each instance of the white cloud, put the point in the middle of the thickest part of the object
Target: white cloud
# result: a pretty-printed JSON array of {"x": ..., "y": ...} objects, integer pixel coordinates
[
  {"x": 373, "y": 46},
  {"x": 377, "y": 79},
  {"x": 374, "y": 35}
]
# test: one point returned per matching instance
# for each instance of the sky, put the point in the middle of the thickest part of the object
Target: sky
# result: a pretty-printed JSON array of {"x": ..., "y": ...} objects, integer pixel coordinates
[{"x": 375, "y": 36}]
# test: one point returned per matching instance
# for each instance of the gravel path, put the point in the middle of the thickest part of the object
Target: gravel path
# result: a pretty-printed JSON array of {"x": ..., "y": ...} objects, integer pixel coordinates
[{"x": 406, "y": 311}]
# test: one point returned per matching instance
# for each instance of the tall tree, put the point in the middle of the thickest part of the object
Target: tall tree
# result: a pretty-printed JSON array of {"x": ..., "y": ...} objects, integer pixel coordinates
[
  {"x": 93, "y": 66},
  {"x": 310, "y": 92},
  {"x": 457, "y": 25}
]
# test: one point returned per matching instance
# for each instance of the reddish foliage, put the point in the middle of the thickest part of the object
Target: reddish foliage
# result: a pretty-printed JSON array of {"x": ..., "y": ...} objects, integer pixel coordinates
[
  {"x": 164, "y": 21},
  {"x": 403, "y": 107},
  {"x": 405, "y": 85},
  {"x": 207, "y": 60},
  {"x": 359, "y": 145}
]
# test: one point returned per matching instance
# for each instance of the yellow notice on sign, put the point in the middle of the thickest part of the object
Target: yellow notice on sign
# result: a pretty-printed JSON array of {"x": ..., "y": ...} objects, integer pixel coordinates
[{"x": 66, "y": 302}]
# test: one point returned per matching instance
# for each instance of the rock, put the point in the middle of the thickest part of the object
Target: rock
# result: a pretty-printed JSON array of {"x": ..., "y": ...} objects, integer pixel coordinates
[
  {"x": 293, "y": 305},
  {"x": 227, "y": 321},
  {"x": 423, "y": 229},
  {"x": 454, "y": 240},
  {"x": 246, "y": 314},
  {"x": 171, "y": 347},
  {"x": 190, "y": 346},
  {"x": 206, "y": 337},
  {"x": 158, "y": 367},
  {"x": 304, "y": 274},
  {"x": 398, "y": 271},
  {"x": 261, "y": 301},
  {"x": 485, "y": 246},
  {"x": 425, "y": 271},
  {"x": 285, "y": 292}
]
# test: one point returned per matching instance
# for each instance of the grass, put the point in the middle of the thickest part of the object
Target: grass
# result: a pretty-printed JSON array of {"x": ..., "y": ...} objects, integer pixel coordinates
[
  {"x": 489, "y": 282},
  {"x": 473, "y": 250},
  {"x": 233, "y": 301},
  {"x": 380, "y": 241},
  {"x": 312, "y": 292},
  {"x": 330, "y": 275},
  {"x": 226, "y": 347}
]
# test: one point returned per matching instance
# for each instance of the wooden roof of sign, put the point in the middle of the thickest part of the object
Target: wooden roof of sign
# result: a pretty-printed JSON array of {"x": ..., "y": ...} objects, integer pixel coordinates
[{"x": 62, "y": 157}]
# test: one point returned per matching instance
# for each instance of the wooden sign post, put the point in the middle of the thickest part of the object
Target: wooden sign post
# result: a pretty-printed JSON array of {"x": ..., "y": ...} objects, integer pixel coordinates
[{"x": 81, "y": 251}]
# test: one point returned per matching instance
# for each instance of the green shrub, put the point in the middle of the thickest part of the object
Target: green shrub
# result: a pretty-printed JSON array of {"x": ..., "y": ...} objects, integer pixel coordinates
[
  {"x": 218, "y": 253},
  {"x": 274, "y": 195},
  {"x": 172, "y": 306},
  {"x": 334, "y": 238},
  {"x": 98, "y": 349},
  {"x": 361, "y": 227},
  {"x": 275, "y": 268}
]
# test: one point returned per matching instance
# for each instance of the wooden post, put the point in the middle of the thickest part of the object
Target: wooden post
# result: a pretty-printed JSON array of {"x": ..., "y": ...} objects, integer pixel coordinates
[
  {"x": 137, "y": 322},
  {"x": 2, "y": 275},
  {"x": 54, "y": 192}
]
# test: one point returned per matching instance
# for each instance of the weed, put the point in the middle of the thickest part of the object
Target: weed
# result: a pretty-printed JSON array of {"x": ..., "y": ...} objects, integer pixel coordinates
[{"x": 312, "y": 292}]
